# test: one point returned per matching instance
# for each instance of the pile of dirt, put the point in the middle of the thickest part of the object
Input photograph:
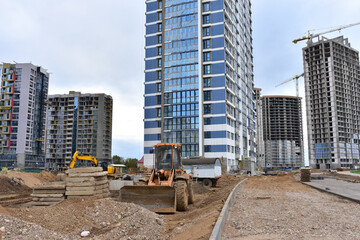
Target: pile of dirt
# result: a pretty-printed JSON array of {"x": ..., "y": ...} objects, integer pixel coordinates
[
  {"x": 29, "y": 178},
  {"x": 3, "y": 211},
  {"x": 104, "y": 218},
  {"x": 9, "y": 186}
]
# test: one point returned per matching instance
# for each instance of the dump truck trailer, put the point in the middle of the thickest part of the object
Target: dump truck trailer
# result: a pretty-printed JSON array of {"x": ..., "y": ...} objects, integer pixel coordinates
[{"x": 206, "y": 170}]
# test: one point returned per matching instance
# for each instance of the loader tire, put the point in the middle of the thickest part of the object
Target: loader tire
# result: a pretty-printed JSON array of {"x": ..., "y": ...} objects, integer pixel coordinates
[
  {"x": 181, "y": 195},
  {"x": 190, "y": 189}
]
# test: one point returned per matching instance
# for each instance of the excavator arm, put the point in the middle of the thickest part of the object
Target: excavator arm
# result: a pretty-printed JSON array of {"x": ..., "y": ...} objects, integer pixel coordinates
[{"x": 87, "y": 158}]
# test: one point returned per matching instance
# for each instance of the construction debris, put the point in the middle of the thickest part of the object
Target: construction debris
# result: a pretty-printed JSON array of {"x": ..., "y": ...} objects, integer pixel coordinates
[
  {"x": 48, "y": 194},
  {"x": 86, "y": 182}
]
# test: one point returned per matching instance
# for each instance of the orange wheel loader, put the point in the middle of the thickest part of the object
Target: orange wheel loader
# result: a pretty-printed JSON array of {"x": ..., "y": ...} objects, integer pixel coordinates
[{"x": 169, "y": 188}]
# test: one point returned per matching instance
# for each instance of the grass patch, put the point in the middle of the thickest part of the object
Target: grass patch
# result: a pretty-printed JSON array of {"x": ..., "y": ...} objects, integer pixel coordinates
[{"x": 355, "y": 171}]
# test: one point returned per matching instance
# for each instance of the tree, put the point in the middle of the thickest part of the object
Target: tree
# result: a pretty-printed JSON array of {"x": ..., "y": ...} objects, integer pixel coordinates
[
  {"x": 131, "y": 163},
  {"x": 118, "y": 160}
]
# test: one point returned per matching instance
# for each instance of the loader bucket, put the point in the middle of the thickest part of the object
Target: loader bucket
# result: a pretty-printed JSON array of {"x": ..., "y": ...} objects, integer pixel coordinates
[{"x": 159, "y": 199}]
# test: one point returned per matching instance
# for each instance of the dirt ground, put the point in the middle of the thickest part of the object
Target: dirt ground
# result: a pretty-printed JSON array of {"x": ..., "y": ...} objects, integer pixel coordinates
[
  {"x": 199, "y": 220},
  {"x": 280, "y": 207}
]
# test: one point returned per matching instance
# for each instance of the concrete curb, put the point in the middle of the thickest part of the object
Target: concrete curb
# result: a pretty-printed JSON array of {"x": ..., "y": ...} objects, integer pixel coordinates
[
  {"x": 217, "y": 230},
  {"x": 334, "y": 193}
]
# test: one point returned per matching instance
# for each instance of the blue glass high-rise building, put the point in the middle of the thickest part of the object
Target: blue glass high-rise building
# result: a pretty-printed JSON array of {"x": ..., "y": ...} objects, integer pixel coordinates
[{"x": 199, "y": 87}]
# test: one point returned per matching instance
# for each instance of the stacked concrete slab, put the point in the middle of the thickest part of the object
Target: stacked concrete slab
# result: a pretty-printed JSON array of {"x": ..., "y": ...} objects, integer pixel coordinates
[
  {"x": 48, "y": 194},
  {"x": 86, "y": 182}
]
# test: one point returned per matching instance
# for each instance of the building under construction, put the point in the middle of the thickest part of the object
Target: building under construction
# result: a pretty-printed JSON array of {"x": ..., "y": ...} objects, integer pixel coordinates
[
  {"x": 332, "y": 86},
  {"x": 282, "y": 132},
  {"x": 78, "y": 122}
]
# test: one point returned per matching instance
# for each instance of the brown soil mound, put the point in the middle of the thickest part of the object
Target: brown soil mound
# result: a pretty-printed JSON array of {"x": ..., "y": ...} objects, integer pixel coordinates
[
  {"x": 29, "y": 178},
  {"x": 3, "y": 211},
  {"x": 104, "y": 218},
  {"x": 9, "y": 187}
]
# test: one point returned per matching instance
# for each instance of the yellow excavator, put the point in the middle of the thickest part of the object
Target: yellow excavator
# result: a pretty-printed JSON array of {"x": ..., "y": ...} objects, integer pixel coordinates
[
  {"x": 169, "y": 188},
  {"x": 87, "y": 158}
]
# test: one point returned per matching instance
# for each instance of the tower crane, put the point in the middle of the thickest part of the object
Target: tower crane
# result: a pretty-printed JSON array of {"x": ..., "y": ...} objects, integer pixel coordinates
[
  {"x": 314, "y": 35},
  {"x": 292, "y": 79}
]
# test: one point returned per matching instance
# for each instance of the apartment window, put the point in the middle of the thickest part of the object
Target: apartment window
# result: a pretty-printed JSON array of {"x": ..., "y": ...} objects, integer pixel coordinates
[
  {"x": 159, "y": 63},
  {"x": 159, "y": 15},
  {"x": 207, "y": 96},
  {"x": 207, "y": 82},
  {"x": 207, "y": 134},
  {"x": 207, "y": 121},
  {"x": 206, "y": 7},
  {"x": 159, "y": 51},
  {"x": 207, "y": 69},
  {"x": 206, "y": 43},
  {"x": 206, "y": 31},
  {"x": 207, "y": 108},
  {"x": 159, "y": 27},
  {"x": 159, "y": 38},
  {"x": 158, "y": 99},
  {"x": 158, "y": 87},
  {"x": 207, "y": 56},
  {"x": 159, "y": 75},
  {"x": 158, "y": 112},
  {"x": 206, "y": 19},
  {"x": 207, "y": 148}
]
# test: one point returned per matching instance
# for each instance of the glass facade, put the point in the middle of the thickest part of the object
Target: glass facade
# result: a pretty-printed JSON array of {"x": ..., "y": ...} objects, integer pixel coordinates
[{"x": 199, "y": 79}]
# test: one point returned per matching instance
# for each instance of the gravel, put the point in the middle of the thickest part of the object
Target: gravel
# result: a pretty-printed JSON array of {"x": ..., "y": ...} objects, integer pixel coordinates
[
  {"x": 282, "y": 208},
  {"x": 104, "y": 218}
]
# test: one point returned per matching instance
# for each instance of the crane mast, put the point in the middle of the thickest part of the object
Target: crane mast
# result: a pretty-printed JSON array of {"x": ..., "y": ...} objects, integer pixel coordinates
[
  {"x": 292, "y": 79},
  {"x": 311, "y": 36}
]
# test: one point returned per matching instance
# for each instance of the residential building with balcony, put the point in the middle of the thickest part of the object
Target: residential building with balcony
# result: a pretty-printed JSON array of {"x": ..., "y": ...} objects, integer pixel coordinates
[
  {"x": 24, "y": 89},
  {"x": 78, "y": 122}
]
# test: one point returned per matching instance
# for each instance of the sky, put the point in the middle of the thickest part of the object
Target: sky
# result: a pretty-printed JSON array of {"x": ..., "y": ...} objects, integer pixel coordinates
[{"x": 97, "y": 46}]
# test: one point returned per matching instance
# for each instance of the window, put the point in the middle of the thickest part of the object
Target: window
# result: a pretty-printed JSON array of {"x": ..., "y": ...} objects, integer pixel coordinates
[
  {"x": 206, "y": 43},
  {"x": 159, "y": 63},
  {"x": 207, "y": 148},
  {"x": 158, "y": 87},
  {"x": 207, "y": 69},
  {"x": 158, "y": 123},
  {"x": 159, "y": 38},
  {"x": 159, "y": 27},
  {"x": 206, "y": 31},
  {"x": 207, "y": 121},
  {"x": 159, "y": 4},
  {"x": 159, "y": 50},
  {"x": 207, "y": 82},
  {"x": 206, "y": 19},
  {"x": 207, "y": 108},
  {"x": 158, "y": 112},
  {"x": 158, "y": 136},
  {"x": 206, "y": 7},
  {"x": 159, "y": 75},
  {"x": 158, "y": 99},
  {"x": 207, "y": 134},
  {"x": 207, "y": 96},
  {"x": 159, "y": 15},
  {"x": 207, "y": 56}
]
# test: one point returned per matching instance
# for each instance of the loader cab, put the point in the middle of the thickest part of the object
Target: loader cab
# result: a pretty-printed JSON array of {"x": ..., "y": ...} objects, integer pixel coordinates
[{"x": 167, "y": 156}]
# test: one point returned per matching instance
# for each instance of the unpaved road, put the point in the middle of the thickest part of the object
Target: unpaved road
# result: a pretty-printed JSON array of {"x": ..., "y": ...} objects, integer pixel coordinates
[
  {"x": 280, "y": 207},
  {"x": 199, "y": 220}
]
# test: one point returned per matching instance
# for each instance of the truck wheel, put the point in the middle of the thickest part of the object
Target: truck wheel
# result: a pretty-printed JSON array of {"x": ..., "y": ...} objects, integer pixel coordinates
[
  {"x": 207, "y": 182},
  {"x": 181, "y": 195},
  {"x": 190, "y": 189}
]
